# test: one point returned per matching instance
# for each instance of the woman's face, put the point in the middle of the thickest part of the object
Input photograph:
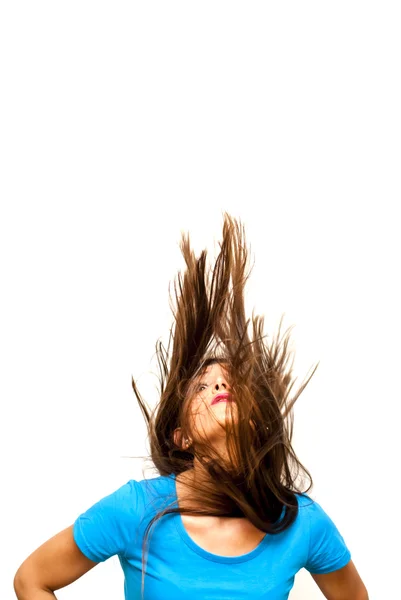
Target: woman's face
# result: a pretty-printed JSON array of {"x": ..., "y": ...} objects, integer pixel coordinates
[{"x": 206, "y": 414}]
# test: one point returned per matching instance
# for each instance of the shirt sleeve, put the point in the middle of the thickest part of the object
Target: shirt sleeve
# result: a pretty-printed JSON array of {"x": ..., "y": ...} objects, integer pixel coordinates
[
  {"x": 327, "y": 548},
  {"x": 107, "y": 527}
]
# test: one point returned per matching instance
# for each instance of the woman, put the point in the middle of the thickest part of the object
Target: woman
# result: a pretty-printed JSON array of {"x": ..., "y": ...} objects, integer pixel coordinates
[{"x": 224, "y": 518}]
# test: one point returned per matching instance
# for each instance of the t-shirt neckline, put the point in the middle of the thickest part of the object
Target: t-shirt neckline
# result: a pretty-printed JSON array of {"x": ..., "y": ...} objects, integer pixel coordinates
[{"x": 204, "y": 553}]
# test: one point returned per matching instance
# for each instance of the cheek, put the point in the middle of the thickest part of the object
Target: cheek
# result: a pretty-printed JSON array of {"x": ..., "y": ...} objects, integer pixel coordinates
[
  {"x": 199, "y": 408},
  {"x": 200, "y": 412}
]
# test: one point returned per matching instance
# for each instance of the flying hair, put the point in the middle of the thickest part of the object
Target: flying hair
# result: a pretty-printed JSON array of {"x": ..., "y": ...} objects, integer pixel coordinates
[{"x": 257, "y": 478}]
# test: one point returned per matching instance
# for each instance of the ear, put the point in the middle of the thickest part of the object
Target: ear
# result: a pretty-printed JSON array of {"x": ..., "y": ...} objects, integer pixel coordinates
[{"x": 178, "y": 437}]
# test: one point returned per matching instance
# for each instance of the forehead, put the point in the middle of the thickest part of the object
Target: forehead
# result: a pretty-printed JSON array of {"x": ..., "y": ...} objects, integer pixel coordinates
[{"x": 214, "y": 369}]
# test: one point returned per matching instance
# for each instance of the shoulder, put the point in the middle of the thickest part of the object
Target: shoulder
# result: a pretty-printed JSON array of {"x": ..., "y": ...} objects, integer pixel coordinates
[
  {"x": 313, "y": 510},
  {"x": 103, "y": 529},
  {"x": 137, "y": 492},
  {"x": 304, "y": 500},
  {"x": 316, "y": 516},
  {"x": 124, "y": 499},
  {"x": 110, "y": 525},
  {"x": 327, "y": 549}
]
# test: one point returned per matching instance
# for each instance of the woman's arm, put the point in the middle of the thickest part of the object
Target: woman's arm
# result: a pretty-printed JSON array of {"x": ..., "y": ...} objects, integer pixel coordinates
[
  {"x": 33, "y": 594},
  {"x": 343, "y": 584},
  {"x": 55, "y": 564}
]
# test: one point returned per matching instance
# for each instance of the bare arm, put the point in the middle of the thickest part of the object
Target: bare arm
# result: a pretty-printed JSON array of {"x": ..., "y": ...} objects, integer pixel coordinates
[
  {"x": 55, "y": 564},
  {"x": 34, "y": 594},
  {"x": 343, "y": 584}
]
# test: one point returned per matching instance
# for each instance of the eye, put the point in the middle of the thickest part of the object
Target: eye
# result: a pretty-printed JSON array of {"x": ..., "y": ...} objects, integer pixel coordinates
[{"x": 201, "y": 385}]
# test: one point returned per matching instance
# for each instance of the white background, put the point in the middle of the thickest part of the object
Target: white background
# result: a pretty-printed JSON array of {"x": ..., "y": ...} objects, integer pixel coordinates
[{"x": 125, "y": 123}]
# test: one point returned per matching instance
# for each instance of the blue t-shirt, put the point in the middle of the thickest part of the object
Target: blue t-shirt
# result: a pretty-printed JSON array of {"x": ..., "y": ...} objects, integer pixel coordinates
[{"x": 177, "y": 568}]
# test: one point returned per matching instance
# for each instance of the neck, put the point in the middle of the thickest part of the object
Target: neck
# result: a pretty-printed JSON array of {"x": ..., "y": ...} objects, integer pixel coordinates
[{"x": 198, "y": 475}]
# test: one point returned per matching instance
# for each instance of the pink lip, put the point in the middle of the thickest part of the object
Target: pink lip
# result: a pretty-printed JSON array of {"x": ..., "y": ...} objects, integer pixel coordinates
[{"x": 221, "y": 397}]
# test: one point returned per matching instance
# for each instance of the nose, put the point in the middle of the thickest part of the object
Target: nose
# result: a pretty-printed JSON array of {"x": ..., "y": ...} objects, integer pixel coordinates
[{"x": 220, "y": 386}]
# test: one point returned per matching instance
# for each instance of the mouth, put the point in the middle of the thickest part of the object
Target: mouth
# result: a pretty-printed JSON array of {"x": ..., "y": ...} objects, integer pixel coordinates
[{"x": 221, "y": 398}]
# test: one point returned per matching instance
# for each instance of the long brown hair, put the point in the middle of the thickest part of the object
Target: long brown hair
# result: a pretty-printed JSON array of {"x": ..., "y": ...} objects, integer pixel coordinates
[{"x": 259, "y": 479}]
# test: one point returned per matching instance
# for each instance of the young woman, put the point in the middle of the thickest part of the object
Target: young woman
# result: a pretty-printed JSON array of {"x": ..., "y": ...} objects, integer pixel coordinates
[{"x": 224, "y": 518}]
